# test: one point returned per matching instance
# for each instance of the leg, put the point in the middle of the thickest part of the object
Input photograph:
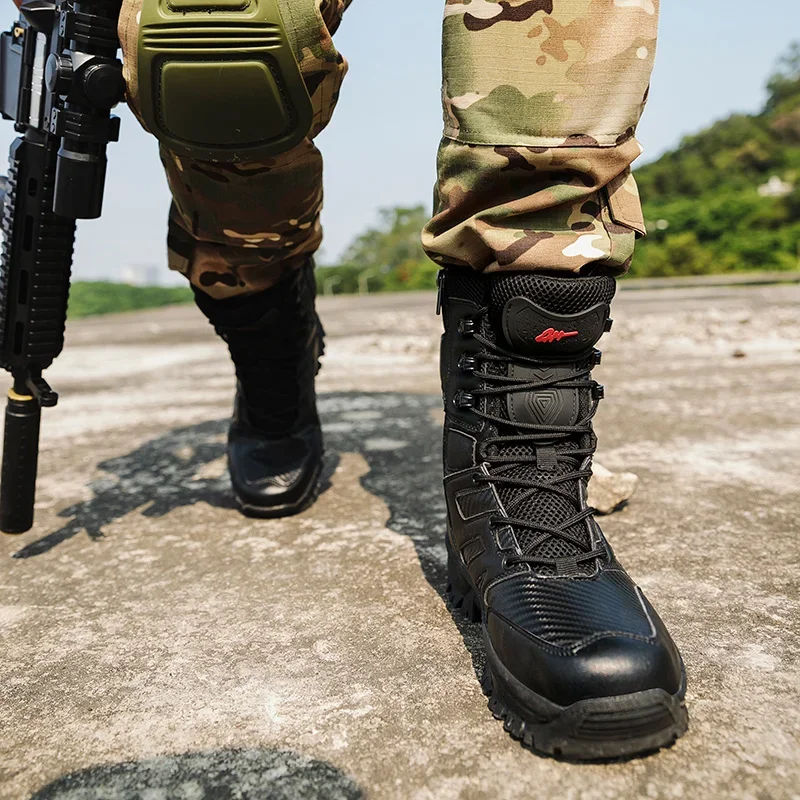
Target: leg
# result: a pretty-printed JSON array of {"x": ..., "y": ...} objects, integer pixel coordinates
[
  {"x": 244, "y": 235},
  {"x": 536, "y": 212},
  {"x": 541, "y": 103},
  {"x": 237, "y": 228}
]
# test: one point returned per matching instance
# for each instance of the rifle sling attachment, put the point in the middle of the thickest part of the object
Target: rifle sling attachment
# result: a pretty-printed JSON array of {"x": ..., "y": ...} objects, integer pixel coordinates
[{"x": 219, "y": 80}]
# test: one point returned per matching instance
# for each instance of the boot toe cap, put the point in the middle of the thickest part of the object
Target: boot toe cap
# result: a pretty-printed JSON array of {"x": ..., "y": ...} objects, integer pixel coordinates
[
  {"x": 580, "y": 639},
  {"x": 273, "y": 474}
]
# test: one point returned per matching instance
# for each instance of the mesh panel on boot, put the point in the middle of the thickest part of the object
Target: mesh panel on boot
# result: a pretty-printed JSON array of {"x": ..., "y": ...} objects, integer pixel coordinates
[
  {"x": 544, "y": 507},
  {"x": 559, "y": 295}
]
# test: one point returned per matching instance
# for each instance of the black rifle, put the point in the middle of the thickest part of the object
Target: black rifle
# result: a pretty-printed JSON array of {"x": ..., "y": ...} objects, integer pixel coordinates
[{"x": 59, "y": 79}]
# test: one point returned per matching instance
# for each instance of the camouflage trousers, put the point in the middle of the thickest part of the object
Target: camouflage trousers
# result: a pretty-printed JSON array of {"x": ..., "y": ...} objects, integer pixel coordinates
[{"x": 541, "y": 101}]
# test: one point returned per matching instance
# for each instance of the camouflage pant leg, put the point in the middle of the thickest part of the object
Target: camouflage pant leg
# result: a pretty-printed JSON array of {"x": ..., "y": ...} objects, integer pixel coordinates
[
  {"x": 237, "y": 228},
  {"x": 541, "y": 102}
]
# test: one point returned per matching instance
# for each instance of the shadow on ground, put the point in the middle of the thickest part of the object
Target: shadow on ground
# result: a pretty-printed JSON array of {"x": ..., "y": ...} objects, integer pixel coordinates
[
  {"x": 399, "y": 435},
  {"x": 219, "y": 775}
]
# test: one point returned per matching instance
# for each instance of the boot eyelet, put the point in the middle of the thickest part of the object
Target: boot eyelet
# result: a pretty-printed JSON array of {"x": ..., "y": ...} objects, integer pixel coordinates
[
  {"x": 467, "y": 363},
  {"x": 598, "y": 391},
  {"x": 467, "y": 326},
  {"x": 464, "y": 400},
  {"x": 483, "y": 453},
  {"x": 597, "y": 358}
]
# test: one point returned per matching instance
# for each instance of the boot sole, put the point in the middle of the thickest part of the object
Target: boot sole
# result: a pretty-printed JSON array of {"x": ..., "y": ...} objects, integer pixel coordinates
[{"x": 597, "y": 729}]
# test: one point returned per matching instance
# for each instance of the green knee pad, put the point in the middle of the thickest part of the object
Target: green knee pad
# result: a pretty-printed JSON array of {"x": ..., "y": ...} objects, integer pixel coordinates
[{"x": 218, "y": 79}]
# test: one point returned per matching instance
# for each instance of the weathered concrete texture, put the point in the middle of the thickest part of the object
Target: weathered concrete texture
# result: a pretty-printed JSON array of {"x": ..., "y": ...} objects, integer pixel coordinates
[{"x": 156, "y": 644}]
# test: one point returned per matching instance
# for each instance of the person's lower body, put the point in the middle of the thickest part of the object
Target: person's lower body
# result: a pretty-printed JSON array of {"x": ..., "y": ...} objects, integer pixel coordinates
[
  {"x": 536, "y": 213},
  {"x": 244, "y": 234}
]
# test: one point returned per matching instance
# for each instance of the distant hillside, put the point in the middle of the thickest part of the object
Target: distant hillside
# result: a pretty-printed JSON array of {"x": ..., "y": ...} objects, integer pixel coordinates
[
  {"x": 90, "y": 298},
  {"x": 728, "y": 198}
]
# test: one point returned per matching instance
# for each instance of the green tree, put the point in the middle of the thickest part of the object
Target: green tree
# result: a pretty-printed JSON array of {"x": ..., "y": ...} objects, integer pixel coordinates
[
  {"x": 90, "y": 298},
  {"x": 393, "y": 242},
  {"x": 717, "y": 194},
  {"x": 784, "y": 85},
  {"x": 388, "y": 256}
]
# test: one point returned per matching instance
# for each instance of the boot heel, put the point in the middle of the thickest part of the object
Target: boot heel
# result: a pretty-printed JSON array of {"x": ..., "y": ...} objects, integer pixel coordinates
[{"x": 460, "y": 590}]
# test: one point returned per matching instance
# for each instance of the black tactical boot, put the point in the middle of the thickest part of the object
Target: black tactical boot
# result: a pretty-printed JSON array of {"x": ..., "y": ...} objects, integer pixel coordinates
[
  {"x": 578, "y": 664},
  {"x": 275, "y": 440}
]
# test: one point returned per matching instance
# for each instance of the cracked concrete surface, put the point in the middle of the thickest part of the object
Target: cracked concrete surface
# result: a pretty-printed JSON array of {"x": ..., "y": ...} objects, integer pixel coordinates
[{"x": 156, "y": 644}]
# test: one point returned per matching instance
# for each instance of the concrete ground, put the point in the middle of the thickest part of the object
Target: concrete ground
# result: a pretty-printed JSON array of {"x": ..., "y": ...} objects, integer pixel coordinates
[{"x": 157, "y": 645}]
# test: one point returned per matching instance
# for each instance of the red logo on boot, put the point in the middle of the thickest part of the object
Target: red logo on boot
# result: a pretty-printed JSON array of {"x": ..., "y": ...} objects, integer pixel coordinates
[{"x": 552, "y": 335}]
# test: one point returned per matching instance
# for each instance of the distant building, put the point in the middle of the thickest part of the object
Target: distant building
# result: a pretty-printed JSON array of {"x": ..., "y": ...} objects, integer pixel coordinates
[
  {"x": 775, "y": 187},
  {"x": 149, "y": 275}
]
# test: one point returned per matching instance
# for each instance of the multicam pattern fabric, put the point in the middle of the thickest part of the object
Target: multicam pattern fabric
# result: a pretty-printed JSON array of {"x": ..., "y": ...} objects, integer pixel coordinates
[
  {"x": 543, "y": 73},
  {"x": 541, "y": 100}
]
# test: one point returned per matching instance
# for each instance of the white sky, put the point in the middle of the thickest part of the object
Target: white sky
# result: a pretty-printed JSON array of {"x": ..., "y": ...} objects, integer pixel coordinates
[{"x": 714, "y": 58}]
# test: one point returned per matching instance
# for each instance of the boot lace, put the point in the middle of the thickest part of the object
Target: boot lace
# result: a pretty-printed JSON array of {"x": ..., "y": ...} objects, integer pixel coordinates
[{"x": 529, "y": 448}]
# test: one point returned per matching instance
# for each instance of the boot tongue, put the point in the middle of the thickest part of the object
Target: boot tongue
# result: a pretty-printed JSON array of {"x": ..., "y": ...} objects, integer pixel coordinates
[{"x": 556, "y": 321}]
